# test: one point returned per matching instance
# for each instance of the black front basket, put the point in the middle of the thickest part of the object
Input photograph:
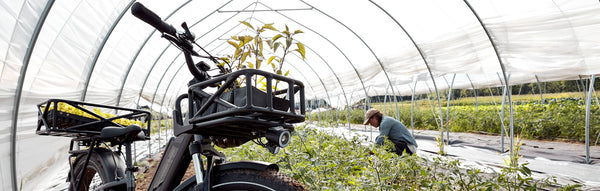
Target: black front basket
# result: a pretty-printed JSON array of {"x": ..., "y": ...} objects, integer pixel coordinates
[{"x": 244, "y": 111}]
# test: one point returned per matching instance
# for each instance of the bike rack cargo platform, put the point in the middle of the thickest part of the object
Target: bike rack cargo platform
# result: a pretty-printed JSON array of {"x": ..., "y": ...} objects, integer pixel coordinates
[
  {"x": 243, "y": 111},
  {"x": 61, "y": 123}
]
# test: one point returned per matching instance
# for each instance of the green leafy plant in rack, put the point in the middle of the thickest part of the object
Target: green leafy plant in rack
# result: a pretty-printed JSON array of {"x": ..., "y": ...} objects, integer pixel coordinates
[{"x": 250, "y": 51}]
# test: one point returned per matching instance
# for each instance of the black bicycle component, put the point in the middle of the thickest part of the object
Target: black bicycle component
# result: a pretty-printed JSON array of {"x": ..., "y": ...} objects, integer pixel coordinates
[
  {"x": 104, "y": 162},
  {"x": 280, "y": 137},
  {"x": 121, "y": 135},
  {"x": 95, "y": 166},
  {"x": 239, "y": 178},
  {"x": 173, "y": 164},
  {"x": 254, "y": 165},
  {"x": 241, "y": 112},
  {"x": 62, "y": 123},
  {"x": 204, "y": 147},
  {"x": 234, "y": 114},
  {"x": 144, "y": 14}
]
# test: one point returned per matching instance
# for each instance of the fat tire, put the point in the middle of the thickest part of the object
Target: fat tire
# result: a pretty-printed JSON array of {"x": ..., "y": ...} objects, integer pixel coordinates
[
  {"x": 97, "y": 164},
  {"x": 248, "y": 179}
]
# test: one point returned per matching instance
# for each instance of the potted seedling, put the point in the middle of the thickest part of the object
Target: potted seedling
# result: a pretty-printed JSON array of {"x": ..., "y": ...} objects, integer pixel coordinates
[{"x": 250, "y": 52}]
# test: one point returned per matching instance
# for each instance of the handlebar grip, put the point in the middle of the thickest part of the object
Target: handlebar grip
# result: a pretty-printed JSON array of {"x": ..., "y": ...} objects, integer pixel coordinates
[{"x": 146, "y": 15}]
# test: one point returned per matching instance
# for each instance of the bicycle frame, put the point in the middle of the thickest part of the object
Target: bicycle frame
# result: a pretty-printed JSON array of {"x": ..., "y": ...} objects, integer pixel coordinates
[
  {"x": 191, "y": 139},
  {"x": 245, "y": 120}
]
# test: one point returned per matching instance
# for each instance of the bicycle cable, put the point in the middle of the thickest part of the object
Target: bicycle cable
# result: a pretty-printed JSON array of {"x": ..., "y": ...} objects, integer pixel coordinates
[{"x": 258, "y": 141}]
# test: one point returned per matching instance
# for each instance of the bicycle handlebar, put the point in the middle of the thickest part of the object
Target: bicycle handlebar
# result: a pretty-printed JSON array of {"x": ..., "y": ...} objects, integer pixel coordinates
[
  {"x": 182, "y": 40},
  {"x": 146, "y": 15}
]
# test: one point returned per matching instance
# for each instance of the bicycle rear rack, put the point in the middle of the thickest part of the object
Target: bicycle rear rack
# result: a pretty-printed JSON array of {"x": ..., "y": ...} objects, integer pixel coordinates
[{"x": 61, "y": 123}]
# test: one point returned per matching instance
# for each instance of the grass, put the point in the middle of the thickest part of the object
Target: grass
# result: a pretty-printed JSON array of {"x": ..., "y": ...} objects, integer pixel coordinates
[
  {"x": 325, "y": 162},
  {"x": 554, "y": 118},
  {"x": 485, "y": 100}
]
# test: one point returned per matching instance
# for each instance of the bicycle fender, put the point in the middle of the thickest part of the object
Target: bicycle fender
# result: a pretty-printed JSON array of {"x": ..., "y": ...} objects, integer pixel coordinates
[
  {"x": 110, "y": 161},
  {"x": 255, "y": 165}
]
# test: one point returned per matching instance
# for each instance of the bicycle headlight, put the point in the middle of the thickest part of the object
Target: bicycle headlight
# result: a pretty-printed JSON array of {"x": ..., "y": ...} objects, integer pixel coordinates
[{"x": 281, "y": 137}]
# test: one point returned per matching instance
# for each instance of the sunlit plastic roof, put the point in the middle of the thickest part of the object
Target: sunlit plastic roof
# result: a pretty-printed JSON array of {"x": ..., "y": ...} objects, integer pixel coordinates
[{"x": 96, "y": 51}]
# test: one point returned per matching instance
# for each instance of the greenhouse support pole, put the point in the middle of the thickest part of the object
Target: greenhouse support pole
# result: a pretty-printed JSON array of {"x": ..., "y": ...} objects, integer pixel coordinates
[
  {"x": 412, "y": 105},
  {"x": 502, "y": 130},
  {"x": 100, "y": 48},
  {"x": 162, "y": 103},
  {"x": 588, "y": 102},
  {"x": 154, "y": 96},
  {"x": 364, "y": 43},
  {"x": 322, "y": 83},
  {"x": 401, "y": 106},
  {"x": 385, "y": 98},
  {"x": 597, "y": 136},
  {"x": 595, "y": 95},
  {"x": 440, "y": 123},
  {"x": 367, "y": 103},
  {"x": 311, "y": 87},
  {"x": 348, "y": 119},
  {"x": 582, "y": 86},
  {"x": 309, "y": 114},
  {"x": 325, "y": 112},
  {"x": 520, "y": 88},
  {"x": 474, "y": 92},
  {"x": 19, "y": 90},
  {"x": 448, "y": 110},
  {"x": 126, "y": 75},
  {"x": 160, "y": 123},
  {"x": 502, "y": 67},
  {"x": 428, "y": 69},
  {"x": 578, "y": 84},
  {"x": 337, "y": 118},
  {"x": 149, "y": 141},
  {"x": 318, "y": 109},
  {"x": 334, "y": 45},
  {"x": 540, "y": 88},
  {"x": 334, "y": 74},
  {"x": 597, "y": 102}
]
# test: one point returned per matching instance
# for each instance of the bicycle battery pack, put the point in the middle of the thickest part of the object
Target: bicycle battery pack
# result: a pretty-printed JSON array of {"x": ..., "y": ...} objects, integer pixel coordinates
[{"x": 173, "y": 164}]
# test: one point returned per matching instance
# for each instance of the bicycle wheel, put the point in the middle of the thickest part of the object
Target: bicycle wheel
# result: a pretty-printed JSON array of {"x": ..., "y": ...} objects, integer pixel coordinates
[
  {"x": 248, "y": 179},
  {"x": 101, "y": 169}
]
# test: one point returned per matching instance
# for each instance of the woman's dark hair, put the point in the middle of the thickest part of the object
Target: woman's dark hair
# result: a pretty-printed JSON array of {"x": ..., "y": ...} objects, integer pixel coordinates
[{"x": 378, "y": 116}]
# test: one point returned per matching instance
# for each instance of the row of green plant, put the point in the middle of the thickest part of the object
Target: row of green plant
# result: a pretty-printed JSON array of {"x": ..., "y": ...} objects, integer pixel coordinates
[
  {"x": 562, "y": 118},
  {"x": 325, "y": 162},
  {"x": 160, "y": 125}
]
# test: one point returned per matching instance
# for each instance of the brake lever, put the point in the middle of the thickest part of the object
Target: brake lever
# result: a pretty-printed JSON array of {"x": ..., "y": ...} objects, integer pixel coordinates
[
  {"x": 187, "y": 34},
  {"x": 191, "y": 38},
  {"x": 183, "y": 40}
]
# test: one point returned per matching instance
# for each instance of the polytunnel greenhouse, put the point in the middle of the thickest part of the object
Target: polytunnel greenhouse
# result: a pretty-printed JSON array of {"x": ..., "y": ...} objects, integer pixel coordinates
[{"x": 521, "y": 74}]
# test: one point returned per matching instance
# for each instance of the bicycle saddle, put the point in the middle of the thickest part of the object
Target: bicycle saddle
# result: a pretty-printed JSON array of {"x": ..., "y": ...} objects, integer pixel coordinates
[{"x": 126, "y": 134}]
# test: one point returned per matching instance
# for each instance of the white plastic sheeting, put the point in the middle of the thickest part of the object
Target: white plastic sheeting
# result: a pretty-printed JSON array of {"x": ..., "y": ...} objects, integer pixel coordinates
[{"x": 354, "y": 48}]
